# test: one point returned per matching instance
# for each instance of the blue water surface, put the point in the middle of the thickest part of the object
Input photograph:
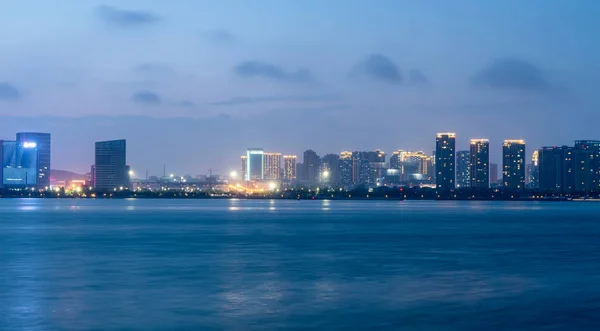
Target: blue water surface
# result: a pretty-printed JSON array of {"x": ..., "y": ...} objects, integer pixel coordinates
[{"x": 298, "y": 265}]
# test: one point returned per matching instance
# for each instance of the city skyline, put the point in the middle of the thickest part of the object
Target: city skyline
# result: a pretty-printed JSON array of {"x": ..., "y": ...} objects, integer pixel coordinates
[{"x": 164, "y": 75}]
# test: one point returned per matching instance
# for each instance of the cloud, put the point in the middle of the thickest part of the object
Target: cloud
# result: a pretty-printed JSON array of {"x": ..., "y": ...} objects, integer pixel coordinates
[
  {"x": 220, "y": 36},
  {"x": 9, "y": 92},
  {"x": 512, "y": 74},
  {"x": 183, "y": 104},
  {"x": 379, "y": 68},
  {"x": 271, "y": 99},
  {"x": 126, "y": 18},
  {"x": 252, "y": 69},
  {"x": 146, "y": 98},
  {"x": 417, "y": 77}
]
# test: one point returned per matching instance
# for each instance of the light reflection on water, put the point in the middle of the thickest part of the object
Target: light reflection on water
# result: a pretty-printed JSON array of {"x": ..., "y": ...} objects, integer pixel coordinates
[{"x": 320, "y": 265}]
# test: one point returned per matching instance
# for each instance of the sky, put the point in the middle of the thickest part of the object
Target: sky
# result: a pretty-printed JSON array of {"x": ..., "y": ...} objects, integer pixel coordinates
[{"x": 192, "y": 84}]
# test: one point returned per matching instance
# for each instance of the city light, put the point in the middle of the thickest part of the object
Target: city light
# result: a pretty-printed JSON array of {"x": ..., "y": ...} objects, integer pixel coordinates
[
  {"x": 131, "y": 173},
  {"x": 233, "y": 174},
  {"x": 29, "y": 145},
  {"x": 326, "y": 174},
  {"x": 272, "y": 185}
]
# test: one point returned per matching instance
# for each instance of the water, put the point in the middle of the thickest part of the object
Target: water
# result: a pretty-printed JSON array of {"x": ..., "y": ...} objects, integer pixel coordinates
[{"x": 298, "y": 265}]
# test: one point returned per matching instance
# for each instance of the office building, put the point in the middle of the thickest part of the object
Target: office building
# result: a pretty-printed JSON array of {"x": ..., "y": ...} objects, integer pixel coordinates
[
  {"x": 111, "y": 165},
  {"x": 556, "y": 169},
  {"x": 289, "y": 167},
  {"x": 479, "y": 163},
  {"x": 494, "y": 179},
  {"x": 43, "y": 144},
  {"x": 311, "y": 166},
  {"x": 395, "y": 160},
  {"x": 513, "y": 164},
  {"x": 445, "y": 145},
  {"x": 346, "y": 168},
  {"x": 586, "y": 170},
  {"x": 463, "y": 169},
  {"x": 330, "y": 169},
  {"x": 272, "y": 166},
  {"x": 255, "y": 164},
  {"x": 20, "y": 164},
  {"x": 244, "y": 168}
]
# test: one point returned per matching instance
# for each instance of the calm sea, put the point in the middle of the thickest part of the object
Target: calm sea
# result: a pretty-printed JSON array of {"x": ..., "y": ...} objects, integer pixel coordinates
[{"x": 298, "y": 265}]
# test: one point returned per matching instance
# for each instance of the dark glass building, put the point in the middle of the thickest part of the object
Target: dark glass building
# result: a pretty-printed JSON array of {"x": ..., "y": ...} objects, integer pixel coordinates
[
  {"x": 445, "y": 146},
  {"x": 20, "y": 164},
  {"x": 330, "y": 169},
  {"x": 480, "y": 163},
  {"x": 513, "y": 164},
  {"x": 43, "y": 143},
  {"x": 463, "y": 169},
  {"x": 311, "y": 166},
  {"x": 555, "y": 169},
  {"x": 586, "y": 170},
  {"x": 110, "y": 167}
]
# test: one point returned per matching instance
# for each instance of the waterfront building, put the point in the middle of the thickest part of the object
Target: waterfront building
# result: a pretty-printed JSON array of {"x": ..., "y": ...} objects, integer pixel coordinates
[
  {"x": 533, "y": 171},
  {"x": 43, "y": 145},
  {"x": 556, "y": 169},
  {"x": 289, "y": 167},
  {"x": 586, "y": 158},
  {"x": 479, "y": 163},
  {"x": 272, "y": 166},
  {"x": 255, "y": 164},
  {"x": 20, "y": 164},
  {"x": 244, "y": 168},
  {"x": 463, "y": 169},
  {"x": 311, "y": 166},
  {"x": 445, "y": 160},
  {"x": 346, "y": 168},
  {"x": 330, "y": 169},
  {"x": 110, "y": 167},
  {"x": 494, "y": 179},
  {"x": 513, "y": 164}
]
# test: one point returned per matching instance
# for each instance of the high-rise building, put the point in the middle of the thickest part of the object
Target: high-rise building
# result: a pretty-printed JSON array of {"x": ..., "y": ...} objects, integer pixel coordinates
[
  {"x": 20, "y": 164},
  {"x": 346, "y": 168},
  {"x": 244, "y": 167},
  {"x": 556, "y": 169},
  {"x": 43, "y": 143},
  {"x": 330, "y": 169},
  {"x": 311, "y": 166},
  {"x": 533, "y": 171},
  {"x": 289, "y": 167},
  {"x": 255, "y": 164},
  {"x": 272, "y": 164},
  {"x": 395, "y": 160},
  {"x": 445, "y": 146},
  {"x": 586, "y": 157},
  {"x": 494, "y": 173},
  {"x": 362, "y": 172},
  {"x": 513, "y": 164},
  {"x": 463, "y": 169},
  {"x": 111, "y": 165},
  {"x": 480, "y": 162}
]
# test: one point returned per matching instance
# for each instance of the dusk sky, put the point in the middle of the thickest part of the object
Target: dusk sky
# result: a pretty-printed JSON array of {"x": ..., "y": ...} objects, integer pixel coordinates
[{"x": 194, "y": 83}]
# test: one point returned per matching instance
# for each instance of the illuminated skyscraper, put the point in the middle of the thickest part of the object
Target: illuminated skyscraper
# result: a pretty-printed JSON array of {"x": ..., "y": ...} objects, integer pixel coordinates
[
  {"x": 463, "y": 169},
  {"x": 110, "y": 165},
  {"x": 346, "y": 168},
  {"x": 479, "y": 163},
  {"x": 445, "y": 145},
  {"x": 513, "y": 164},
  {"x": 244, "y": 168},
  {"x": 533, "y": 171},
  {"x": 289, "y": 167},
  {"x": 43, "y": 143},
  {"x": 20, "y": 164},
  {"x": 272, "y": 164},
  {"x": 255, "y": 164}
]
